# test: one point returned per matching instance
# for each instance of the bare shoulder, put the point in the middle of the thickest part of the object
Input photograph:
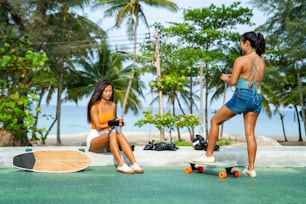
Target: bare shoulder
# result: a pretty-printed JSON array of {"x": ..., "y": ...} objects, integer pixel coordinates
[
  {"x": 248, "y": 62},
  {"x": 262, "y": 61},
  {"x": 94, "y": 108},
  {"x": 239, "y": 61},
  {"x": 238, "y": 64},
  {"x": 113, "y": 104}
]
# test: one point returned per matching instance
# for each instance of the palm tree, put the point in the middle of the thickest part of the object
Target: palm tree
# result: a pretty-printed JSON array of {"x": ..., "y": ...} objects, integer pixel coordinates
[
  {"x": 285, "y": 28},
  {"x": 104, "y": 65},
  {"x": 181, "y": 62},
  {"x": 53, "y": 29},
  {"x": 209, "y": 30},
  {"x": 131, "y": 10},
  {"x": 63, "y": 35}
]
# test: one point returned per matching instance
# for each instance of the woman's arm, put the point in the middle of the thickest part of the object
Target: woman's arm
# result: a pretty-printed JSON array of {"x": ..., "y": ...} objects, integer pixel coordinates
[{"x": 232, "y": 79}]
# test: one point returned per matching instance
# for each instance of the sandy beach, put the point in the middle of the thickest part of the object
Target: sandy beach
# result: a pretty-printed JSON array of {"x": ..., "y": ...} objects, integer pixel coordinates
[{"x": 142, "y": 138}]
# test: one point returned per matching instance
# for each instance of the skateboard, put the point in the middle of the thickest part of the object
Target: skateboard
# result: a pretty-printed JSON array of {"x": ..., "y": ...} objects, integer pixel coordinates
[
  {"x": 228, "y": 166},
  {"x": 52, "y": 161}
]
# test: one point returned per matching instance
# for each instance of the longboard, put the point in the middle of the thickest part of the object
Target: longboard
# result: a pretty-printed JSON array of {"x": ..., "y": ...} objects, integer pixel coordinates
[
  {"x": 52, "y": 161},
  {"x": 228, "y": 166}
]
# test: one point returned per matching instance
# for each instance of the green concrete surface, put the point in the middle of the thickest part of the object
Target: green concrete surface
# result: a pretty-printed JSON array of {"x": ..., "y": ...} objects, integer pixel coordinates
[{"x": 156, "y": 185}]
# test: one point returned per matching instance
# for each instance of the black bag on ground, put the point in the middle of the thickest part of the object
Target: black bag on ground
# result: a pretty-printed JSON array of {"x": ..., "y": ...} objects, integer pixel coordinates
[
  {"x": 199, "y": 143},
  {"x": 171, "y": 147},
  {"x": 217, "y": 147},
  {"x": 149, "y": 146},
  {"x": 161, "y": 146}
]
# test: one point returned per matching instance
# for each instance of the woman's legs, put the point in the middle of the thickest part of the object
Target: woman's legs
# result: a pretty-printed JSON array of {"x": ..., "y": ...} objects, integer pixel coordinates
[
  {"x": 114, "y": 147},
  {"x": 126, "y": 148},
  {"x": 99, "y": 143},
  {"x": 222, "y": 115},
  {"x": 119, "y": 139},
  {"x": 114, "y": 140},
  {"x": 250, "y": 119}
]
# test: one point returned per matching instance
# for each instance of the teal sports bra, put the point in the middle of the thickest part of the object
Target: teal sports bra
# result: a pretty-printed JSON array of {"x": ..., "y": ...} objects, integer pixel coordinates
[{"x": 248, "y": 83}]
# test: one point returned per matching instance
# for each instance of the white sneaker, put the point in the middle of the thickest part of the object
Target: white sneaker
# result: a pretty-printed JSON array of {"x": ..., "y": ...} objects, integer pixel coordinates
[
  {"x": 250, "y": 173},
  {"x": 137, "y": 168},
  {"x": 205, "y": 159},
  {"x": 125, "y": 169}
]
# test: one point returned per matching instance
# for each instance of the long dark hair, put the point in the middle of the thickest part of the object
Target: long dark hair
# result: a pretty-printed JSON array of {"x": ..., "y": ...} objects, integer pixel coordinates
[
  {"x": 257, "y": 41},
  {"x": 97, "y": 94}
]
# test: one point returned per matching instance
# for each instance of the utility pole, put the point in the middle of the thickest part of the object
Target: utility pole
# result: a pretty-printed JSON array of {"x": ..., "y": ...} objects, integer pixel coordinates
[
  {"x": 201, "y": 98},
  {"x": 158, "y": 71}
]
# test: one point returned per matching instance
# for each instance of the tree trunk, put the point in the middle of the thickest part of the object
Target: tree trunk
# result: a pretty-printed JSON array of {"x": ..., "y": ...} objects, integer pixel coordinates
[
  {"x": 177, "y": 128},
  {"x": 301, "y": 101},
  {"x": 34, "y": 137},
  {"x": 190, "y": 107},
  {"x": 201, "y": 97},
  {"x": 299, "y": 124},
  {"x": 128, "y": 89},
  {"x": 283, "y": 126},
  {"x": 58, "y": 105},
  {"x": 190, "y": 129},
  {"x": 206, "y": 105},
  {"x": 158, "y": 72},
  {"x": 50, "y": 127}
]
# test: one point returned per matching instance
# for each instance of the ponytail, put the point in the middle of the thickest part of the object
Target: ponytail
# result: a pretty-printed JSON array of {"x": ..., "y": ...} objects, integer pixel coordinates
[
  {"x": 256, "y": 40},
  {"x": 261, "y": 45}
]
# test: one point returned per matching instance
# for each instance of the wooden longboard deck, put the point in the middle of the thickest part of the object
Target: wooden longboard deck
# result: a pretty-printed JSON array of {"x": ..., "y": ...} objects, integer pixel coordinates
[
  {"x": 58, "y": 161},
  {"x": 225, "y": 164}
]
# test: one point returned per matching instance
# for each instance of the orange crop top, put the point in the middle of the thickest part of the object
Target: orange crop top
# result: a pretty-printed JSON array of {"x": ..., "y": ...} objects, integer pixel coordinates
[{"x": 104, "y": 118}]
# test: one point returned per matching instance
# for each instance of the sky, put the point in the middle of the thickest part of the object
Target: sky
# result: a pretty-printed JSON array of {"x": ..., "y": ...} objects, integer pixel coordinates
[{"x": 118, "y": 37}]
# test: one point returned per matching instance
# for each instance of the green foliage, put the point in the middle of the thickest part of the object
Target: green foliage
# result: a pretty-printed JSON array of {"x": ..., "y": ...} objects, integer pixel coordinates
[
  {"x": 168, "y": 120},
  {"x": 183, "y": 143},
  {"x": 284, "y": 84},
  {"x": 203, "y": 40},
  {"x": 221, "y": 142},
  {"x": 224, "y": 142},
  {"x": 170, "y": 83},
  {"x": 131, "y": 11},
  {"x": 23, "y": 75}
]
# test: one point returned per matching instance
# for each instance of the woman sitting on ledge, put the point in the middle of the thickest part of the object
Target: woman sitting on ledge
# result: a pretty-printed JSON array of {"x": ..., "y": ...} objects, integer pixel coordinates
[{"x": 101, "y": 108}]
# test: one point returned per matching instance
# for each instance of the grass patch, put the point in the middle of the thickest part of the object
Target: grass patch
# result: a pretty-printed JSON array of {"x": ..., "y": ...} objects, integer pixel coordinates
[
  {"x": 182, "y": 143},
  {"x": 224, "y": 142},
  {"x": 220, "y": 142}
]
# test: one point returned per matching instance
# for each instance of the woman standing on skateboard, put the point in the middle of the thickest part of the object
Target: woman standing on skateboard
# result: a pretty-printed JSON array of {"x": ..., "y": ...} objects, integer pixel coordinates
[
  {"x": 247, "y": 75},
  {"x": 101, "y": 108}
]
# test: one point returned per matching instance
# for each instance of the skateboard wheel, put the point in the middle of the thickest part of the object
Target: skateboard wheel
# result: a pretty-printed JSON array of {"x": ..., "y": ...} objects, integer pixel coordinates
[
  {"x": 188, "y": 170},
  {"x": 222, "y": 175},
  {"x": 200, "y": 169},
  {"x": 236, "y": 173}
]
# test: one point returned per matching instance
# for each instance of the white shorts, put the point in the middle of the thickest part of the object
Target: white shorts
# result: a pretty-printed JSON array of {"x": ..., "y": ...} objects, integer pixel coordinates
[{"x": 93, "y": 134}]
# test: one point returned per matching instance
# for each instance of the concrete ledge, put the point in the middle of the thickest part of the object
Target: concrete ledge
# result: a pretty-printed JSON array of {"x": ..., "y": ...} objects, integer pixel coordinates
[{"x": 272, "y": 156}]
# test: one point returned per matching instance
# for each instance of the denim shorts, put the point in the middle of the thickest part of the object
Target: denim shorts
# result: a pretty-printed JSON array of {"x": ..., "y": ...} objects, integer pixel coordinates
[{"x": 245, "y": 100}]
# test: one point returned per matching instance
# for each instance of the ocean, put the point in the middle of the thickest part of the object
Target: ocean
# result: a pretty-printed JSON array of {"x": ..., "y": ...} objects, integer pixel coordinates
[{"x": 74, "y": 120}]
